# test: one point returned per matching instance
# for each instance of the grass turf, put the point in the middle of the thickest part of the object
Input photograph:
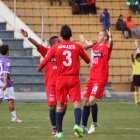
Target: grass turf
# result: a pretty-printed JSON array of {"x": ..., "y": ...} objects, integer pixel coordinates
[{"x": 118, "y": 121}]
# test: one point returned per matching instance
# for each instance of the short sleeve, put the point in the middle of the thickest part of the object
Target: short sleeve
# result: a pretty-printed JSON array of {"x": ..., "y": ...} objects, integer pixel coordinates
[
  {"x": 43, "y": 50},
  {"x": 6, "y": 68}
]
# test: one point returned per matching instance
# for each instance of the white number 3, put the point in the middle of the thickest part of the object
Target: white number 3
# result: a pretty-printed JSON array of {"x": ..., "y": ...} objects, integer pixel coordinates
[{"x": 68, "y": 58}]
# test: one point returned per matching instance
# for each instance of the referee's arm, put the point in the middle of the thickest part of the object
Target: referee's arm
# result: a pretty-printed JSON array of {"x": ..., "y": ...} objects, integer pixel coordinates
[{"x": 132, "y": 57}]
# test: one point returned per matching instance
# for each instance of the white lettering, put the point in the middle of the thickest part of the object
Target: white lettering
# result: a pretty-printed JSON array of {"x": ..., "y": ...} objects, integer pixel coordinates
[{"x": 67, "y": 46}]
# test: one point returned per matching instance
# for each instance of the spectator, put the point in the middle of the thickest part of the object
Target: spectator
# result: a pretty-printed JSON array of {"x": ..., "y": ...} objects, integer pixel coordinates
[
  {"x": 72, "y": 2},
  {"x": 92, "y": 6},
  {"x": 60, "y": 2},
  {"x": 84, "y": 7},
  {"x": 105, "y": 19},
  {"x": 131, "y": 26},
  {"x": 75, "y": 6},
  {"x": 120, "y": 25},
  {"x": 133, "y": 5}
]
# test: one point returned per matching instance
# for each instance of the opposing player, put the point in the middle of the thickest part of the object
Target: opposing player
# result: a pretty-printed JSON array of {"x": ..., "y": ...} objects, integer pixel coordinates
[
  {"x": 98, "y": 78},
  {"x": 6, "y": 85},
  {"x": 136, "y": 76},
  {"x": 67, "y": 58},
  {"x": 50, "y": 77}
]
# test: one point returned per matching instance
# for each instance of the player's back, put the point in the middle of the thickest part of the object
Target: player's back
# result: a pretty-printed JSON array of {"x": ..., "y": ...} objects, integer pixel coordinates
[
  {"x": 67, "y": 58},
  {"x": 5, "y": 68}
]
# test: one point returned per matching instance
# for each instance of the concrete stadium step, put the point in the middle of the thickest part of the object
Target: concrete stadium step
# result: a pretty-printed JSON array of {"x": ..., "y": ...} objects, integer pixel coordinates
[
  {"x": 27, "y": 77},
  {"x": 29, "y": 87},
  {"x": 3, "y": 26},
  {"x": 20, "y": 52},
  {"x": 24, "y": 69},
  {"x": 125, "y": 69},
  {"x": 6, "y": 34},
  {"x": 73, "y": 19},
  {"x": 13, "y": 42},
  {"x": 25, "y": 60},
  {"x": 121, "y": 86}
]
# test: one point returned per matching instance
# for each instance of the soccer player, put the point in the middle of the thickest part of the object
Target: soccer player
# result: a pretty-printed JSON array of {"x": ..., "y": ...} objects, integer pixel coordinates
[
  {"x": 67, "y": 58},
  {"x": 98, "y": 78},
  {"x": 50, "y": 77},
  {"x": 6, "y": 85},
  {"x": 136, "y": 76}
]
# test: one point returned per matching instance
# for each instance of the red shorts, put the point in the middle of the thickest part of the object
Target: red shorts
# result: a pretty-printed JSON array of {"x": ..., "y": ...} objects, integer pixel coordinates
[
  {"x": 95, "y": 88},
  {"x": 51, "y": 96},
  {"x": 68, "y": 85}
]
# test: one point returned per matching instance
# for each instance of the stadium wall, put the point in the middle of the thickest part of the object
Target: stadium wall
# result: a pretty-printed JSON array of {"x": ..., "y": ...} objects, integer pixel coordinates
[{"x": 8, "y": 16}]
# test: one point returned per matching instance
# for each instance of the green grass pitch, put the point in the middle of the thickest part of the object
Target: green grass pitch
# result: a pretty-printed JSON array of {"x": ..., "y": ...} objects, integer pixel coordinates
[{"x": 119, "y": 120}]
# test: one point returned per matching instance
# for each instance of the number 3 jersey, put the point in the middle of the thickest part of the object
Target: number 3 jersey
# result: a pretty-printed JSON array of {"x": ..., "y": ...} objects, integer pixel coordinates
[
  {"x": 101, "y": 56},
  {"x": 67, "y": 58},
  {"x": 5, "y": 68}
]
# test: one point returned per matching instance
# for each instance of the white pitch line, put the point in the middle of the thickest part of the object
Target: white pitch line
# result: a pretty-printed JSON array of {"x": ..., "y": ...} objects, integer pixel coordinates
[
  {"x": 28, "y": 127},
  {"x": 36, "y": 127},
  {"x": 128, "y": 128}
]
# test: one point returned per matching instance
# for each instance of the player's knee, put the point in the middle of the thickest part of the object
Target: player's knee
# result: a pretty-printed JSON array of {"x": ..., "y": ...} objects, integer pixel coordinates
[
  {"x": 52, "y": 107},
  {"x": 59, "y": 109},
  {"x": 92, "y": 101},
  {"x": 86, "y": 102},
  {"x": 77, "y": 104}
]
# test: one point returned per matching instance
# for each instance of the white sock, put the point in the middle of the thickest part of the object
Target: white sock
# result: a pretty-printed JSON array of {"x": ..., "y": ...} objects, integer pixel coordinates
[{"x": 13, "y": 114}]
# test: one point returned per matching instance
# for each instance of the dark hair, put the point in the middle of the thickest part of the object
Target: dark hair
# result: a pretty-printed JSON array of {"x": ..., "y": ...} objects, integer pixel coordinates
[
  {"x": 52, "y": 40},
  {"x": 105, "y": 9},
  {"x": 137, "y": 55},
  {"x": 4, "y": 49},
  {"x": 120, "y": 16},
  {"x": 66, "y": 32},
  {"x": 105, "y": 34}
]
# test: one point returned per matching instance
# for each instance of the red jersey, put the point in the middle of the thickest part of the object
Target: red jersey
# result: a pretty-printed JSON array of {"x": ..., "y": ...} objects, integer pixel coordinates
[
  {"x": 50, "y": 68},
  {"x": 99, "y": 69},
  {"x": 67, "y": 58},
  {"x": 91, "y": 2}
]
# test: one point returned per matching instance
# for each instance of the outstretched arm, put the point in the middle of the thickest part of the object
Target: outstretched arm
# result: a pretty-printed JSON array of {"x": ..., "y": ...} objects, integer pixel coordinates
[
  {"x": 110, "y": 38},
  {"x": 49, "y": 56},
  {"x": 25, "y": 34},
  {"x": 84, "y": 55}
]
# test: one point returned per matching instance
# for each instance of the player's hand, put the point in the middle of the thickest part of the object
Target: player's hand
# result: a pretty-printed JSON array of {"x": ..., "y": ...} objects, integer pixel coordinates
[
  {"x": 13, "y": 82},
  {"x": 82, "y": 38},
  {"x": 4, "y": 88},
  {"x": 109, "y": 32},
  {"x": 24, "y": 33}
]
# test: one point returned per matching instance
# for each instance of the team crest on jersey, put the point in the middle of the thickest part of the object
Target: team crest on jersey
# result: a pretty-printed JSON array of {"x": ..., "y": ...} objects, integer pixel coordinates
[
  {"x": 95, "y": 61},
  {"x": 53, "y": 60},
  {"x": 98, "y": 55},
  {"x": 51, "y": 98}
]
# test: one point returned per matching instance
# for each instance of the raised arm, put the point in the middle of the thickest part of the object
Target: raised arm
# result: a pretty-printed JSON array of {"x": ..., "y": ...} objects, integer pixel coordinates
[
  {"x": 132, "y": 57},
  {"x": 25, "y": 34},
  {"x": 110, "y": 39}
]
